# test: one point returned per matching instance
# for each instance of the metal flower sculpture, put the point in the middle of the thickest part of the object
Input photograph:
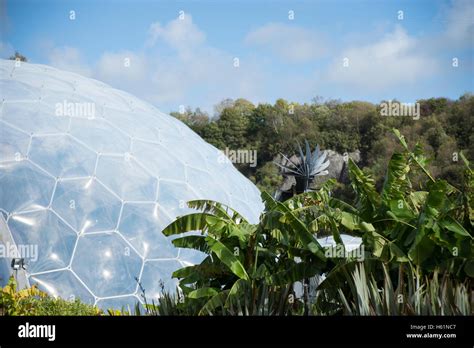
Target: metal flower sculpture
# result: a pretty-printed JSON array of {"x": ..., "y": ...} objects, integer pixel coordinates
[{"x": 307, "y": 167}]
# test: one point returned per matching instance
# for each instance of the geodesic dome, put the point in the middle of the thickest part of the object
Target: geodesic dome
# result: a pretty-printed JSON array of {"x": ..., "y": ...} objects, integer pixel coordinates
[{"x": 91, "y": 175}]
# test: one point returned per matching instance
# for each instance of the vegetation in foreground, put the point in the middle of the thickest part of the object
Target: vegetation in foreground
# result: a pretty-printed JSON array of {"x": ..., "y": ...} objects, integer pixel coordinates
[
  {"x": 32, "y": 301},
  {"x": 417, "y": 249},
  {"x": 416, "y": 258}
]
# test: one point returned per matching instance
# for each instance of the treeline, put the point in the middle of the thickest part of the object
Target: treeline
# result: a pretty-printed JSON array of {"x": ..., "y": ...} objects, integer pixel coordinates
[{"x": 443, "y": 128}]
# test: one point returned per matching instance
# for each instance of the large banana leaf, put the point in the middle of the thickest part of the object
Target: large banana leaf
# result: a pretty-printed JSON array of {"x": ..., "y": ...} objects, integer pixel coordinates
[
  {"x": 203, "y": 292},
  {"x": 289, "y": 221},
  {"x": 192, "y": 242},
  {"x": 227, "y": 257},
  {"x": 217, "y": 209},
  {"x": 368, "y": 200},
  {"x": 418, "y": 157},
  {"x": 214, "y": 303},
  {"x": 204, "y": 271},
  {"x": 397, "y": 184},
  {"x": 294, "y": 272},
  {"x": 187, "y": 223}
]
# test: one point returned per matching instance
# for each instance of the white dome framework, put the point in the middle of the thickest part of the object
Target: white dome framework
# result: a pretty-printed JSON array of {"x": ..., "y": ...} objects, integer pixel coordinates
[{"x": 90, "y": 175}]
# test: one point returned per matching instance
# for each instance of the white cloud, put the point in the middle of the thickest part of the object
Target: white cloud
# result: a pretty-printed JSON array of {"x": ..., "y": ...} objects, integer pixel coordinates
[
  {"x": 395, "y": 59},
  {"x": 177, "y": 67},
  {"x": 125, "y": 66},
  {"x": 181, "y": 34},
  {"x": 294, "y": 44},
  {"x": 68, "y": 58},
  {"x": 206, "y": 75},
  {"x": 460, "y": 23}
]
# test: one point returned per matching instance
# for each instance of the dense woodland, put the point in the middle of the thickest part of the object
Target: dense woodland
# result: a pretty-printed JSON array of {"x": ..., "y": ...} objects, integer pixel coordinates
[{"x": 444, "y": 129}]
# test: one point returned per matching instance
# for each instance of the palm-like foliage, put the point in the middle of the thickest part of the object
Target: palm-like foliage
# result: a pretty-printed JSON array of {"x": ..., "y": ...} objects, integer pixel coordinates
[
  {"x": 408, "y": 295},
  {"x": 429, "y": 228},
  {"x": 251, "y": 269}
]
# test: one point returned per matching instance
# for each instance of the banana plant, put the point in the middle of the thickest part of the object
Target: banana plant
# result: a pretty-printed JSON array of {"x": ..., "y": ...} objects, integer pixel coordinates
[
  {"x": 244, "y": 272},
  {"x": 428, "y": 228},
  {"x": 250, "y": 269}
]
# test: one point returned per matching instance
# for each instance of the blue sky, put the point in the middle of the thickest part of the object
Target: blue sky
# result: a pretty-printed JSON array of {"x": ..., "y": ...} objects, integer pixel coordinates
[{"x": 190, "y": 60}]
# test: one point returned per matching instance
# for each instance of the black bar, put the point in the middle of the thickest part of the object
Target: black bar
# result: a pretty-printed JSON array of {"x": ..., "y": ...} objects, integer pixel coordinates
[{"x": 291, "y": 331}]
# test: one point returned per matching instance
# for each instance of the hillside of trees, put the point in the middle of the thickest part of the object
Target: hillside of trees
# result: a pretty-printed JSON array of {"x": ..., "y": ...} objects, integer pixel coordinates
[{"x": 444, "y": 128}]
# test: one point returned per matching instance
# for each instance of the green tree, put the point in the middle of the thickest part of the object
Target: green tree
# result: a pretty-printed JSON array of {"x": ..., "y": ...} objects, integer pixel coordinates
[
  {"x": 233, "y": 123},
  {"x": 197, "y": 120},
  {"x": 18, "y": 56}
]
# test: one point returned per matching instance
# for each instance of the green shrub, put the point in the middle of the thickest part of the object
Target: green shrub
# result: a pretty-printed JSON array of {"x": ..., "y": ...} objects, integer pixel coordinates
[{"x": 32, "y": 301}]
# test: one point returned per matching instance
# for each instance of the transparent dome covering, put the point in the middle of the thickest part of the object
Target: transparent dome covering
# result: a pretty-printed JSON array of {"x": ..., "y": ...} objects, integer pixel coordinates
[{"x": 90, "y": 175}]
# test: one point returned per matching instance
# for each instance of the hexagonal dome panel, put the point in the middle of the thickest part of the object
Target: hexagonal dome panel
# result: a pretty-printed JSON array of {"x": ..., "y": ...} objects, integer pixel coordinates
[
  {"x": 98, "y": 134},
  {"x": 24, "y": 186},
  {"x": 125, "y": 176},
  {"x": 62, "y": 156},
  {"x": 86, "y": 205},
  {"x": 45, "y": 230},
  {"x": 115, "y": 265},
  {"x": 13, "y": 143},
  {"x": 21, "y": 115},
  {"x": 63, "y": 283},
  {"x": 90, "y": 175},
  {"x": 140, "y": 225}
]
